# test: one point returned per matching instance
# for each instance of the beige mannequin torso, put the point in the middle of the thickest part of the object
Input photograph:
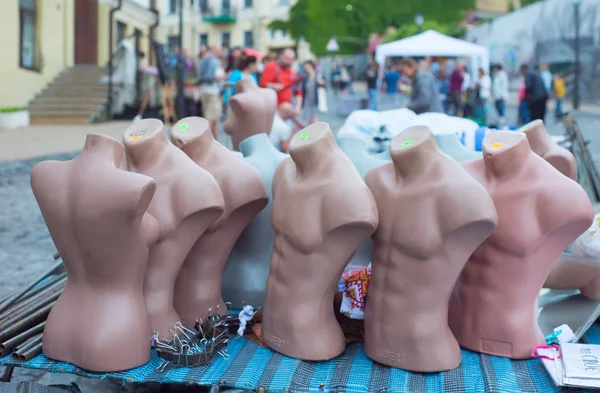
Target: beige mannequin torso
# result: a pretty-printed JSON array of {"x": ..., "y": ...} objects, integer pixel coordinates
[
  {"x": 198, "y": 286},
  {"x": 540, "y": 212},
  {"x": 432, "y": 216},
  {"x": 95, "y": 213},
  {"x": 544, "y": 146},
  {"x": 252, "y": 111},
  {"x": 322, "y": 212},
  {"x": 187, "y": 201}
]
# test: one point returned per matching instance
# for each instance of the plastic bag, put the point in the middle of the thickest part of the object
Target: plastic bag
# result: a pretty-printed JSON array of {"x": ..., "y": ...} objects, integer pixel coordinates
[{"x": 588, "y": 244}]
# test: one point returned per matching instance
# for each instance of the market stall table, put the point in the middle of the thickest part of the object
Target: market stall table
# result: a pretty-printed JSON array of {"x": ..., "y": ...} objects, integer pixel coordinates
[{"x": 251, "y": 367}]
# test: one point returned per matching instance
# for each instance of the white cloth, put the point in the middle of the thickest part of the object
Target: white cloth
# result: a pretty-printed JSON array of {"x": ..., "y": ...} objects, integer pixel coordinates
[
  {"x": 280, "y": 131},
  {"x": 466, "y": 81},
  {"x": 215, "y": 87},
  {"x": 485, "y": 87},
  {"x": 500, "y": 86}
]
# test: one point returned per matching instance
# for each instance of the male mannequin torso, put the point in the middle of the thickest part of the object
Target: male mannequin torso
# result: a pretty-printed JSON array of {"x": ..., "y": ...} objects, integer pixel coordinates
[
  {"x": 198, "y": 286},
  {"x": 544, "y": 146},
  {"x": 96, "y": 214},
  {"x": 432, "y": 216},
  {"x": 322, "y": 212},
  {"x": 252, "y": 111},
  {"x": 246, "y": 272},
  {"x": 187, "y": 201},
  {"x": 540, "y": 212}
]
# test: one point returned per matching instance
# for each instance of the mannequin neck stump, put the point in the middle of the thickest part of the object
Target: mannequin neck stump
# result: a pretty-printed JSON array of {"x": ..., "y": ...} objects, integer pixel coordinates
[
  {"x": 412, "y": 151},
  {"x": 505, "y": 153},
  {"x": 193, "y": 136},
  {"x": 144, "y": 141},
  {"x": 103, "y": 148},
  {"x": 310, "y": 147},
  {"x": 540, "y": 141},
  {"x": 245, "y": 84}
]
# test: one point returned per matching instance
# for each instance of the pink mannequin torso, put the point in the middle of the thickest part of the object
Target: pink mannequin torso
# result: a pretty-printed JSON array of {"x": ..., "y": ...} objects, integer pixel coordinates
[
  {"x": 198, "y": 286},
  {"x": 540, "y": 212},
  {"x": 187, "y": 201},
  {"x": 432, "y": 216},
  {"x": 322, "y": 212},
  {"x": 252, "y": 111},
  {"x": 544, "y": 146},
  {"x": 95, "y": 213}
]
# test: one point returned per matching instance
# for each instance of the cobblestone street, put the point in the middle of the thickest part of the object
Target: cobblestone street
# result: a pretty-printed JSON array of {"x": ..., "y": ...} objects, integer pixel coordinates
[{"x": 26, "y": 248}]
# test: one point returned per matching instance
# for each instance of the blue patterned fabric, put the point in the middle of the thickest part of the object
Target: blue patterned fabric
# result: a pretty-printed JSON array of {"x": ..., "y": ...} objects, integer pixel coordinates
[{"x": 250, "y": 367}]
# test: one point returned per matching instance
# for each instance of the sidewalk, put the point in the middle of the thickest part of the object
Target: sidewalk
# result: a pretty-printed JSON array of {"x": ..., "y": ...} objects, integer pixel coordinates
[{"x": 36, "y": 141}]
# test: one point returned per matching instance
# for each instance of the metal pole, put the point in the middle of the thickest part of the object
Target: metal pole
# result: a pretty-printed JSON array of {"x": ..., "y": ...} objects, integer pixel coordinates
[
  {"x": 180, "y": 66},
  {"x": 576, "y": 92}
]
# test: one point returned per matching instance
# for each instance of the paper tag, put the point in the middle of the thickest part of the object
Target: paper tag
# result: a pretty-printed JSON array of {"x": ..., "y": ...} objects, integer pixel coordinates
[{"x": 581, "y": 361}]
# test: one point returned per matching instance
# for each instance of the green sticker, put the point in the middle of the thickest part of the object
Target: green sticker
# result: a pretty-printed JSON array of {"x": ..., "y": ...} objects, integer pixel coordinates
[
  {"x": 304, "y": 135},
  {"x": 183, "y": 126},
  {"x": 522, "y": 129},
  {"x": 407, "y": 143}
]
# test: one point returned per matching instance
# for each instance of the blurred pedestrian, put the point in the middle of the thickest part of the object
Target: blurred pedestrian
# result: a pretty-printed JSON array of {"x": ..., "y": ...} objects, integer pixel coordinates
[
  {"x": 345, "y": 79},
  {"x": 372, "y": 79},
  {"x": 455, "y": 91},
  {"x": 310, "y": 86},
  {"x": 524, "y": 115},
  {"x": 248, "y": 67},
  {"x": 210, "y": 73},
  {"x": 546, "y": 78},
  {"x": 484, "y": 95},
  {"x": 500, "y": 91},
  {"x": 391, "y": 80},
  {"x": 282, "y": 130},
  {"x": 279, "y": 76},
  {"x": 424, "y": 96},
  {"x": 536, "y": 94},
  {"x": 559, "y": 95}
]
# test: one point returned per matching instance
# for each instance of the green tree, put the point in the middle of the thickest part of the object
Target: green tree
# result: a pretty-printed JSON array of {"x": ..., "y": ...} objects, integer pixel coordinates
[{"x": 319, "y": 20}]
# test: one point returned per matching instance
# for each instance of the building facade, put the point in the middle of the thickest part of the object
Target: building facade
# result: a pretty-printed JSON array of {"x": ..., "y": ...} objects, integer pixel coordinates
[
  {"x": 227, "y": 23},
  {"x": 42, "y": 38}
]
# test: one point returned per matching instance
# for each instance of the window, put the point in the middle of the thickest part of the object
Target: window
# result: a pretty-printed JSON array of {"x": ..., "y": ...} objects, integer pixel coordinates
[
  {"x": 173, "y": 42},
  {"x": 225, "y": 38},
  {"x": 203, "y": 39},
  {"x": 284, "y": 2},
  {"x": 247, "y": 3},
  {"x": 28, "y": 34},
  {"x": 226, "y": 7},
  {"x": 121, "y": 29},
  {"x": 248, "y": 39},
  {"x": 173, "y": 6},
  {"x": 271, "y": 34},
  {"x": 203, "y": 6}
]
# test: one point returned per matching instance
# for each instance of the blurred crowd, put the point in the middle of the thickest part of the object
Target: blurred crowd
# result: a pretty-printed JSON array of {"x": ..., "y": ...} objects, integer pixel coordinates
[
  {"x": 210, "y": 78},
  {"x": 434, "y": 86}
]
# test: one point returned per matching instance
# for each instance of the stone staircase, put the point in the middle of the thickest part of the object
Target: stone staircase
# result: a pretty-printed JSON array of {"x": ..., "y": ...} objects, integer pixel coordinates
[{"x": 76, "y": 96}]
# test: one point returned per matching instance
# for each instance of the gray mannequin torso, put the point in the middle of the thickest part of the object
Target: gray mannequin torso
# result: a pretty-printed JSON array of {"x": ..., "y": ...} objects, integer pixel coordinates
[
  {"x": 247, "y": 269},
  {"x": 356, "y": 150},
  {"x": 451, "y": 145}
]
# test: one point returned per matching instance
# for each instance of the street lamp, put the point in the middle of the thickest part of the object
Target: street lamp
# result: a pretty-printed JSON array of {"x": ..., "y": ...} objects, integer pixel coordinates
[
  {"x": 577, "y": 16},
  {"x": 419, "y": 20}
]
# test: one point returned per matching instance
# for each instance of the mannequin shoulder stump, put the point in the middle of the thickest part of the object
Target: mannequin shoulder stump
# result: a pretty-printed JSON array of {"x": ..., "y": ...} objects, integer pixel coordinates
[
  {"x": 285, "y": 166},
  {"x": 580, "y": 212},
  {"x": 203, "y": 196},
  {"x": 247, "y": 188},
  {"x": 350, "y": 205},
  {"x": 564, "y": 162},
  {"x": 46, "y": 172}
]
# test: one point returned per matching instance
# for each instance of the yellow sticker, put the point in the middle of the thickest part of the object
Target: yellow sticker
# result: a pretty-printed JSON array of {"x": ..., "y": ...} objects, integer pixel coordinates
[
  {"x": 136, "y": 138},
  {"x": 497, "y": 145}
]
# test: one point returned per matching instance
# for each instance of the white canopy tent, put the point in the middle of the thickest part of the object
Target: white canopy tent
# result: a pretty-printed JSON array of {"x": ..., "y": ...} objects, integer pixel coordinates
[{"x": 432, "y": 43}]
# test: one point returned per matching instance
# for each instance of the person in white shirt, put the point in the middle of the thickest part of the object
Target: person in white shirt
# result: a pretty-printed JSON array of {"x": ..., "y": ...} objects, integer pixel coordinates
[
  {"x": 484, "y": 85},
  {"x": 500, "y": 91},
  {"x": 281, "y": 130}
]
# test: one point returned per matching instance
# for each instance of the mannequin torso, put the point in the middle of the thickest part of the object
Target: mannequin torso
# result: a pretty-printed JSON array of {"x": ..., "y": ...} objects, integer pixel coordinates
[
  {"x": 198, "y": 286},
  {"x": 252, "y": 111},
  {"x": 246, "y": 272},
  {"x": 322, "y": 212},
  {"x": 432, "y": 216},
  {"x": 544, "y": 146},
  {"x": 96, "y": 214},
  {"x": 187, "y": 201},
  {"x": 450, "y": 144},
  {"x": 540, "y": 212}
]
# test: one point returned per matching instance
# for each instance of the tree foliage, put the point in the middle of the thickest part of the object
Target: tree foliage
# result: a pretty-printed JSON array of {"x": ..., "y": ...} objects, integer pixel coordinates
[{"x": 318, "y": 20}]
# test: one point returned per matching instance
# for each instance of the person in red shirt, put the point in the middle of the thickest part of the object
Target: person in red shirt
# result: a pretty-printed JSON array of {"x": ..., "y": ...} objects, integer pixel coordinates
[{"x": 279, "y": 76}]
